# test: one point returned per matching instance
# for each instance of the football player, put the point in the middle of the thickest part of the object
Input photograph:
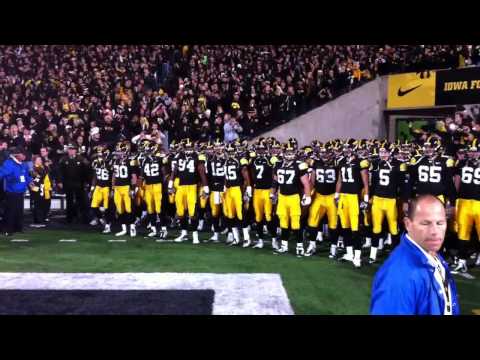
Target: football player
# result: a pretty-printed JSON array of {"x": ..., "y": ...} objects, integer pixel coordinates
[
  {"x": 262, "y": 174},
  {"x": 124, "y": 182},
  {"x": 216, "y": 183},
  {"x": 100, "y": 188},
  {"x": 388, "y": 179},
  {"x": 467, "y": 182},
  {"x": 432, "y": 173},
  {"x": 236, "y": 178},
  {"x": 189, "y": 168},
  {"x": 290, "y": 181},
  {"x": 152, "y": 172},
  {"x": 353, "y": 180},
  {"x": 323, "y": 180}
]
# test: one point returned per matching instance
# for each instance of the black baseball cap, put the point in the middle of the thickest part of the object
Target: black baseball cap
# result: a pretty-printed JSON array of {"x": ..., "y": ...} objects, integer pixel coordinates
[{"x": 16, "y": 150}]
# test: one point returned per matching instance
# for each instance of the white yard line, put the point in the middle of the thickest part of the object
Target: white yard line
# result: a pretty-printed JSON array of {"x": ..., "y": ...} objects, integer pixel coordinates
[{"x": 235, "y": 294}]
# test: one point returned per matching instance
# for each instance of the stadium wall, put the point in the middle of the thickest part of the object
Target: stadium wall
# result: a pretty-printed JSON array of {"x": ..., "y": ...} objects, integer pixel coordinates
[{"x": 357, "y": 114}]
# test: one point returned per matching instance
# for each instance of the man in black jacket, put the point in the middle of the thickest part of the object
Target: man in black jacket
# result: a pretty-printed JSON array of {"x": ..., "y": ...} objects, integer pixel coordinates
[{"x": 73, "y": 179}]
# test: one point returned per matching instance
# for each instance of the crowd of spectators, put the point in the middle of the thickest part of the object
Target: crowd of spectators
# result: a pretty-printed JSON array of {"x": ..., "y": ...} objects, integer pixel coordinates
[
  {"x": 455, "y": 132},
  {"x": 53, "y": 95}
]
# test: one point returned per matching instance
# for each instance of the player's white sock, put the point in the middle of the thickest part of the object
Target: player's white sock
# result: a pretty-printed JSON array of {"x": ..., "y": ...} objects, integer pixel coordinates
[
  {"x": 350, "y": 251},
  {"x": 246, "y": 234},
  {"x": 236, "y": 235},
  {"x": 195, "y": 237},
  {"x": 380, "y": 244},
  {"x": 358, "y": 254},
  {"x": 373, "y": 253},
  {"x": 319, "y": 236}
]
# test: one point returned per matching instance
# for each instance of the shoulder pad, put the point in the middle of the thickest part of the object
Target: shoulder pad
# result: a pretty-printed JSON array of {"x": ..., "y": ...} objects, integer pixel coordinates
[
  {"x": 133, "y": 162},
  {"x": 243, "y": 161},
  {"x": 403, "y": 167},
  {"x": 303, "y": 166},
  {"x": 273, "y": 160},
  {"x": 413, "y": 161},
  {"x": 450, "y": 162},
  {"x": 364, "y": 164},
  {"x": 252, "y": 154},
  {"x": 202, "y": 157}
]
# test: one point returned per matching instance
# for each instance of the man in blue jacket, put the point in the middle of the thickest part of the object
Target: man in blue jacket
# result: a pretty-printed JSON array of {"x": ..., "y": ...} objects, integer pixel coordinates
[
  {"x": 17, "y": 180},
  {"x": 415, "y": 279}
]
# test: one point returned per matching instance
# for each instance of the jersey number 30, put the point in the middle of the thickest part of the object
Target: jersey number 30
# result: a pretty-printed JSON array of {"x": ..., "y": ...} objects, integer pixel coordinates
[{"x": 121, "y": 171}]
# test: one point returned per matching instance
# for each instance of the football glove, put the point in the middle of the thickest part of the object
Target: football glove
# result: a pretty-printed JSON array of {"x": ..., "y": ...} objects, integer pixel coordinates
[
  {"x": 306, "y": 200},
  {"x": 273, "y": 197},
  {"x": 206, "y": 191},
  {"x": 171, "y": 189},
  {"x": 363, "y": 205},
  {"x": 248, "y": 191},
  {"x": 337, "y": 198}
]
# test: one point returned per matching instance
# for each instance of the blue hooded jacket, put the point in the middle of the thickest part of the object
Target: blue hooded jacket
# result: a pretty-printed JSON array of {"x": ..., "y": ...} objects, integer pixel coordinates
[
  {"x": 17, "y": 176},
  {"x": 405, "y": 284}
]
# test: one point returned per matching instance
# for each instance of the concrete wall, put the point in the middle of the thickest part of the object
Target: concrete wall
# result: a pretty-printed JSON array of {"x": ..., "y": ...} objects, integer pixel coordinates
[{"x": 357, "y": 114}]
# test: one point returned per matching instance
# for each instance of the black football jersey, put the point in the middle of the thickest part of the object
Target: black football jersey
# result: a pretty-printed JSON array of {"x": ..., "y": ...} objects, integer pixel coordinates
[
  {"x": 469, "y": 173},
  {"x": 288, "y": 177},
  {"x": 325, "y": 177},
  {"x": 262, "y": 172},
  {"x": 103, "y": 173},
  {"x": 233, "y": 173},
  {"x": 123, "y": 169},
  {"x": 387, "y": 177},
  {"x": 431, "y": 176},
  {"x": 349, "y": 172},
  {"x": 187, "y": 168},
  {"x": 216, "y": 173},
  {"x": 151, "y": 168}
]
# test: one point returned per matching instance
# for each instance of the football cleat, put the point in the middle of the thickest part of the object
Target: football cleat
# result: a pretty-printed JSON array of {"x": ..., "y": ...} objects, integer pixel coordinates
[
  {"x": 214, "y": 237},
  {"x": 300, "y": 251},
  {"x": 333, "y": 251},
  {"x": 275, "y": 244},
  {"x": 153, "y": 231},
  {"x": 311, "y": 249},
  {"x": 371, "y": 261},
  {"x": 133, "y": 230},
  {"x": 229, "y": 238},
  {"x": 259, "y": 244},
  {"x": 106, "y": 229},
  {"x": 123, "y": 232},
  {"x": 461, "y": 267},
  {"x": 477, "y": 263},
  {"x": 182, "y": 237},
  {"x": 246, "y": 243},
  {"x": 163, "y": 233},
  {"x": 357, "y": 262},
  {"x": 94, "y": 222},
  {"x": 224, "y": 231},
  {"x": 282, "y": 250},
  {"x": 347, "y": 257}
]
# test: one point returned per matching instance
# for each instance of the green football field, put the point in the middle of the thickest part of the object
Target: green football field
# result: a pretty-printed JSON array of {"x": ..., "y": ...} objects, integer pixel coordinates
[{"x": 314, "y": 285}]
